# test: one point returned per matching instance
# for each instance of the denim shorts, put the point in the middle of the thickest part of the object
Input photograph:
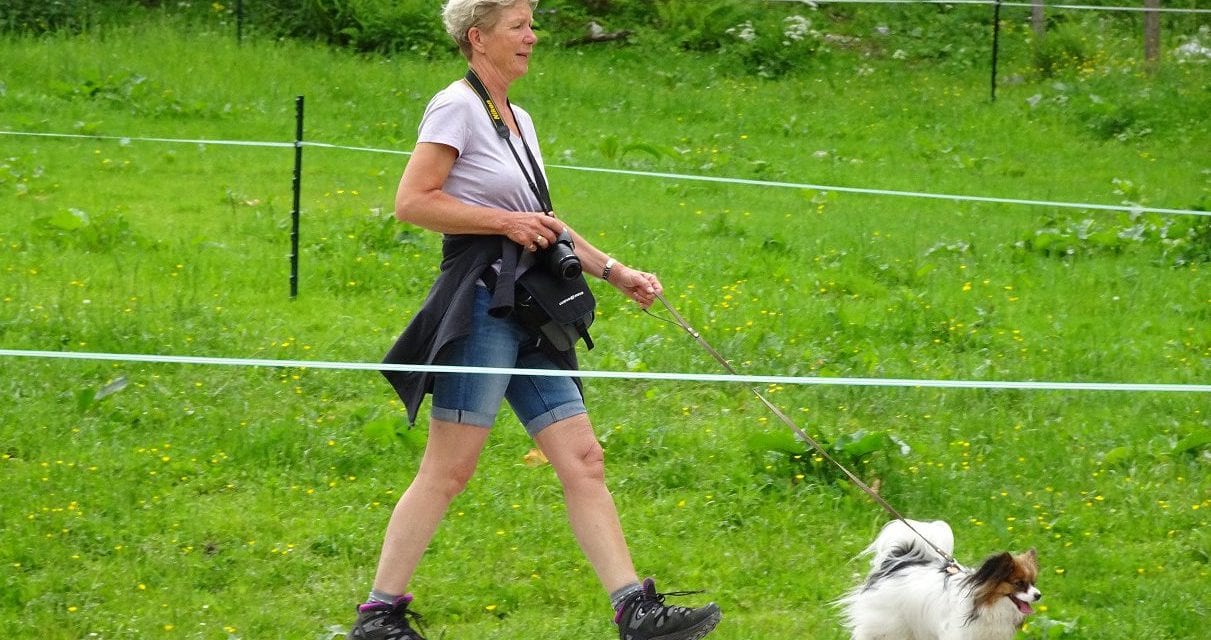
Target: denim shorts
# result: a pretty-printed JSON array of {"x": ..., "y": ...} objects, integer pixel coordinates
[{"x": 474, "y": 398}]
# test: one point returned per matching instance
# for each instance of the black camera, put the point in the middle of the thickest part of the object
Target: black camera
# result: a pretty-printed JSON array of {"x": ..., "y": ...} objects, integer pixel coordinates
[{"x": 560, "y": 258}]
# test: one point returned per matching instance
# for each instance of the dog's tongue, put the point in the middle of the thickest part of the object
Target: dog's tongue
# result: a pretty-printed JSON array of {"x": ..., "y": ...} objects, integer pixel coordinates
[{"x": 1023, "y": 606}]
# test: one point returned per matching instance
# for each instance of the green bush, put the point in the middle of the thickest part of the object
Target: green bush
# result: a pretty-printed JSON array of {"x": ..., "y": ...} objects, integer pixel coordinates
[
  {"x": 698, "y": 26},
  {"x": 1176, "y": 240},
  {"x": 372, "y": 26},
  {"x": 42, "y": 16},
  {"x": 771, "y": 47},
  {"x": 34, "y": 16},
  {"x": 564, "y": 20},
  {"x": 1063, "y": 48}
]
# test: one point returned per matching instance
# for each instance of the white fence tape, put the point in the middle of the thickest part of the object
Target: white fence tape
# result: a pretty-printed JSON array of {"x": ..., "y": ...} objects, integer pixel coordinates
[
  {"x": 630, "y": 375},
  {"x": 1125, "y": 208}
]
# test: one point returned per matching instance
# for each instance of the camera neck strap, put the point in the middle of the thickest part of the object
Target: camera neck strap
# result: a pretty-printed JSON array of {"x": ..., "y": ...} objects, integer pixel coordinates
[{"x": 538, "y": 183}]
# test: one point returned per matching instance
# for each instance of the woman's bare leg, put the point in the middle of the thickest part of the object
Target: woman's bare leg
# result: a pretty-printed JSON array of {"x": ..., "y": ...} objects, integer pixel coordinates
[
  {"x": 451, "y": 454},
  {"x": 579, "y": 463}
]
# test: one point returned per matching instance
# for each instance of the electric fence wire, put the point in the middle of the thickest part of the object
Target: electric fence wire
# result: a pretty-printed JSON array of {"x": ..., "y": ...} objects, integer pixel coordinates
[
  {"x": 1034, "y": 385},
  {"x": 1089, "y": 206},
  {"x": 125, "y": 140}
]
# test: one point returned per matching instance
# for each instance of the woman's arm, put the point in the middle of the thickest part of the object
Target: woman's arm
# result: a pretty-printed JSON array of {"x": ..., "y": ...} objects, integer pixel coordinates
[
  {"x": 421, "y": 201},
  {"x": 639, "y": 286}
]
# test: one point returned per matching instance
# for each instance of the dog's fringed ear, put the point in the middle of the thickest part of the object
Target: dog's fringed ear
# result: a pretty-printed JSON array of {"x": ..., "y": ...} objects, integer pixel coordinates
[
  {"x": 996, "y": 568},
  {"x": 983, "y": 583},
  {"x": 1029, "y": 558}
]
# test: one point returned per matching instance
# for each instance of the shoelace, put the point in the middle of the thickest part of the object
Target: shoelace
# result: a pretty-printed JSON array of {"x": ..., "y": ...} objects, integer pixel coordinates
[
  {"x": 409, "y": 618},
  {"x": 646, "y": 598}
]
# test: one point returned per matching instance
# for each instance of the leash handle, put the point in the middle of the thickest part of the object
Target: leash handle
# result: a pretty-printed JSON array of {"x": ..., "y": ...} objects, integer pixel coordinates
[{"x": 802, "y": 435}]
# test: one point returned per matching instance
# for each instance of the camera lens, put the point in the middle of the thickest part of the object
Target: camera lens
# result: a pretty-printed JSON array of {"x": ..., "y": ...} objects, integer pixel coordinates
[
  {"x": 561, "y": 258},
  {"x": 569, "y": 266}
]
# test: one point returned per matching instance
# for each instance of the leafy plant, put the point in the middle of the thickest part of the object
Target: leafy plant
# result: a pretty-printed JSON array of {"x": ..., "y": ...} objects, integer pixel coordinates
[
  {"x": 1194, "y": 443},
  {"x": 1181, "y": 240},
  {"x": 769, "y": 47},
  {"x": 1062, "y": 48},
  {"x": 379, "y": 231},
  {"x": 614, "y": 150},
  {"x": 388, "y": 430},
  {"x": 378, "y": 26},
  {"x": 865, "y": 453},
  {"x": 412, "y": 26},
  {"x": 89, "y": 397},
  {"x": 701, "y": 26},
  {"x": 40, "y": 16},
  {"x": 25, "y": 177},
  {"x": 1045, "y": 628},
  {"x": 76, "y": 227}
]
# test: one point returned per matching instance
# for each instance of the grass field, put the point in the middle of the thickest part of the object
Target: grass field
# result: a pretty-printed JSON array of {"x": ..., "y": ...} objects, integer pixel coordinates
[{"x": 189, "y": 501}]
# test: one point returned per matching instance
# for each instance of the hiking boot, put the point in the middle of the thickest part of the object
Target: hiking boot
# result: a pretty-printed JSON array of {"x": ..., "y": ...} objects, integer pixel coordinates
[
  {"x": 644, "y": 616},
  {"x": 382, "y": 621}
]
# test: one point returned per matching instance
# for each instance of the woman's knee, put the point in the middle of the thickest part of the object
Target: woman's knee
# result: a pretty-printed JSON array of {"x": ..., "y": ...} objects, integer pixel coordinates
[
  {"x": 594, "y": 459},
  {"x": 447, "y": 481},
  {"x": 574, "y": 451},
  {"x": 586, "y": 464},
  {"x": 451, "y": 456}
]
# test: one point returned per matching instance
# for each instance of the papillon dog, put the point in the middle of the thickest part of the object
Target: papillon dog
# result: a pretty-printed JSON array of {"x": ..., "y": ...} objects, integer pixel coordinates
[{"x": 915, "y": 593}]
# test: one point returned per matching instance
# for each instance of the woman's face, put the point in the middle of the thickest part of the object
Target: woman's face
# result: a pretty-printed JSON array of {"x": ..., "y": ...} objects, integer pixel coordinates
[{"x": 508, "y": 44}]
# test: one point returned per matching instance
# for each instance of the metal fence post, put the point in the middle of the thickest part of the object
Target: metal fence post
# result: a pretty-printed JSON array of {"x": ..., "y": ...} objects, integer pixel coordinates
[{"x": 298, "y": 187}]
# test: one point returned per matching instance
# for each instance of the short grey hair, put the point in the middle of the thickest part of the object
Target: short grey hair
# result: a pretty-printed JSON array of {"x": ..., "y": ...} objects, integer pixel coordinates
[{"x": 460, "y": 15}]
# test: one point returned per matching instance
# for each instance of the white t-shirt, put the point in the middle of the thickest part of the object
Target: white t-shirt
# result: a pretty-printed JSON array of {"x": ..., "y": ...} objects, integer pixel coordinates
[{"x": 485, "y": 173}]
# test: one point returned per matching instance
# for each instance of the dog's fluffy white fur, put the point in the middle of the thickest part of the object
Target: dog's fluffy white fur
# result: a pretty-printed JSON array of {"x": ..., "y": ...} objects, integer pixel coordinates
[{"x": 914, "y": 593}]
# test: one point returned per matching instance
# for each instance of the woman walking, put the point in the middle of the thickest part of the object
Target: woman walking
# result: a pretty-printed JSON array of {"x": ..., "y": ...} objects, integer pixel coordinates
[{"x": 466, "y": 180}]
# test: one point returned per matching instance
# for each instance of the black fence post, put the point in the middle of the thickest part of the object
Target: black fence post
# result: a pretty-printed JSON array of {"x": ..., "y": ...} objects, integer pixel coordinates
[
  {"x": 996, "y": 45},
  {"x": 298, "y": 187}
]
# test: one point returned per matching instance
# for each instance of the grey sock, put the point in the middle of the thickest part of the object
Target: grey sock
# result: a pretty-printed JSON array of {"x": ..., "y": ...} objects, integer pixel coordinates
[
  {"x": 618, "y": 597},
  {"x": 379, "y": 596}
]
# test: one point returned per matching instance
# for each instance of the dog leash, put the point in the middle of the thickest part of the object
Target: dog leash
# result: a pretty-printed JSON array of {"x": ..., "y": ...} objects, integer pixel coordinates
[{"x": 880, "y": 500}]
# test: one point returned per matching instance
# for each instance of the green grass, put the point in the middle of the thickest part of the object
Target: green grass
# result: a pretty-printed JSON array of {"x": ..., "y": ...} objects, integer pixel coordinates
[{"x": 210, "y": 502}]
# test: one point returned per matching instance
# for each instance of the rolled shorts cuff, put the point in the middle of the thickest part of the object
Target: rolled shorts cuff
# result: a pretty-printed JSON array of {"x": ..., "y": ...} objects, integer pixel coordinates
[
  {"x": 562, "y": 412},
  {"x": 460, "y": 416}
]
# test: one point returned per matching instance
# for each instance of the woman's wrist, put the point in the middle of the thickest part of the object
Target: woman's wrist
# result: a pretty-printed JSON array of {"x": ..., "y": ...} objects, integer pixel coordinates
[{"x": 608, "y": 269}]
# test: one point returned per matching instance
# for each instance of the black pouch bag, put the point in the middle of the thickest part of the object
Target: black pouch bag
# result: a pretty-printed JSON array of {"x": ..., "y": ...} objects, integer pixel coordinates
[{"x": 559, "y": 310}]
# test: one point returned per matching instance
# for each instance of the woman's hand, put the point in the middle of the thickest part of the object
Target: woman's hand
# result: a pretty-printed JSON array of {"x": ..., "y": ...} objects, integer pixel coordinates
[
  {"x": 533, "y": 231},
  {"x": 640, "y": 286}
]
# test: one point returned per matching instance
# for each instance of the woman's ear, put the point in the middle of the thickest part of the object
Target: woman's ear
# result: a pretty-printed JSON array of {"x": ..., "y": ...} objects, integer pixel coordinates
[{"x": 475, "y": 36}]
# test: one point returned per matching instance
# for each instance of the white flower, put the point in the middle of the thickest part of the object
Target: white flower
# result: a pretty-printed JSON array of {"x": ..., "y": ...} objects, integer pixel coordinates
[
  {"x": 796, "y": 27},
  {"x": 1193, "y": 51},
  {"x": 743, "y": 31}
]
